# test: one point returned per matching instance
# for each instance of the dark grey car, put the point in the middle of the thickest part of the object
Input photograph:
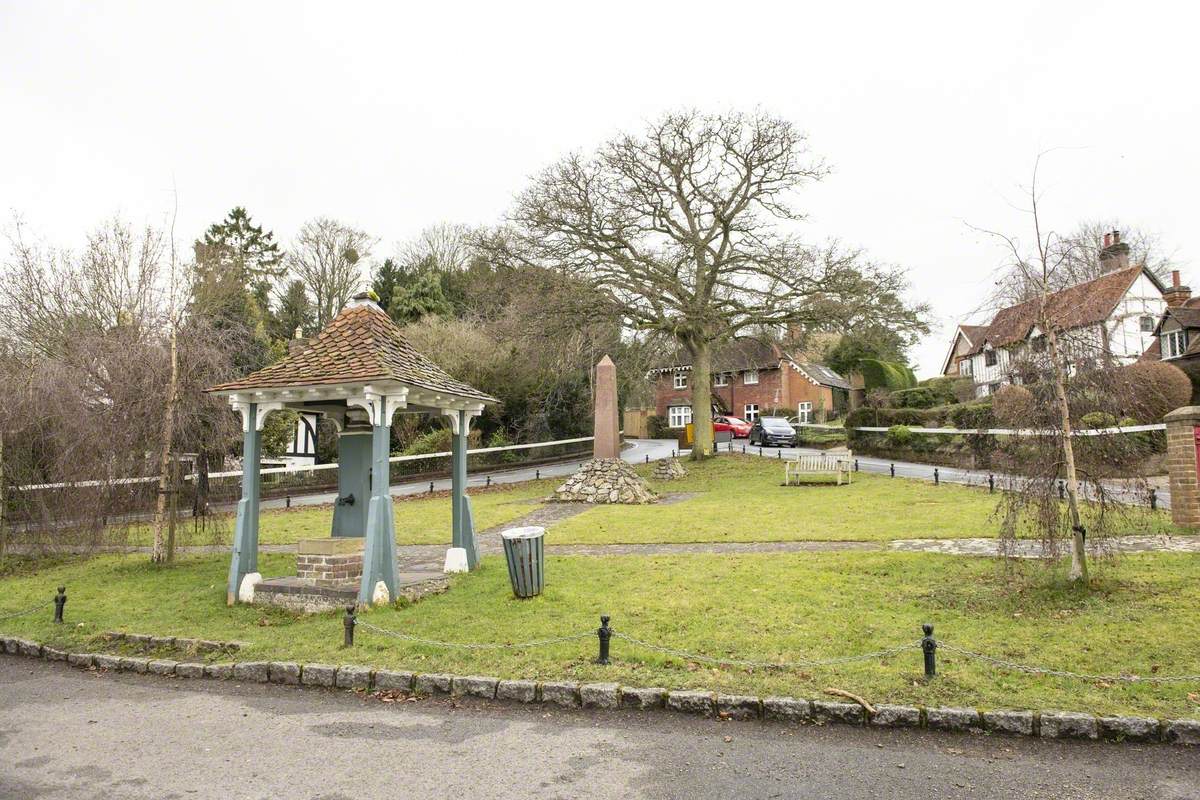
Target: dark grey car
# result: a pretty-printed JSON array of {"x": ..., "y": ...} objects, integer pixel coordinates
[{"x": 772, "y": 432}]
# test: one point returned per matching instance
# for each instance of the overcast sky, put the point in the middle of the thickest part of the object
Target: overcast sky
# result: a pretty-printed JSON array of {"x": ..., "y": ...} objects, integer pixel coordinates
[{"x": 395, "y": 116}]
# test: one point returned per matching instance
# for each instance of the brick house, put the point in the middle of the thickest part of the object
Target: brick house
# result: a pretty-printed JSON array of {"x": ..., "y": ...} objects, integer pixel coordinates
[
  {"x": 752, "y": 378},
  {"x": 1177, "y": 333},
  {"x": 1114, "y": 314}
]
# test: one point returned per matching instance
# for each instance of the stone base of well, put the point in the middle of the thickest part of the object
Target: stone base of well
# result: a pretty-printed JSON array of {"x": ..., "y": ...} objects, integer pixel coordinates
[
  {"x": 605, "y": 480},
  {"x": 332, "y": 561}
]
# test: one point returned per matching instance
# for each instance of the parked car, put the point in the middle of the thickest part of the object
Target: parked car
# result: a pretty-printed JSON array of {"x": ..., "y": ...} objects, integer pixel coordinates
[
  {"x": 738, "y": 427},
  {"x": 772, "y": 432}
]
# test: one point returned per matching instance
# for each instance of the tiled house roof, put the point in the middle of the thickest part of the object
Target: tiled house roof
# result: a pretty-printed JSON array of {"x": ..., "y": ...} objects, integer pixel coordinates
[
  {"x": 1087, "y": 303},
  {"x": 735, "y": 356},
  {"x": 360, "y": 344},
  {"x": 824, "y": 375}
]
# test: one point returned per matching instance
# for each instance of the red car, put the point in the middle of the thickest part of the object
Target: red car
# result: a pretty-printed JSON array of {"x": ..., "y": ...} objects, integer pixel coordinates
[{"x": 738, "y": 427}]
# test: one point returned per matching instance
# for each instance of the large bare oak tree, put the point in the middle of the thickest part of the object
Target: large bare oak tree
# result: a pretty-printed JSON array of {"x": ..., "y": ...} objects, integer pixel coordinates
[{"x": 689, "y": 230}]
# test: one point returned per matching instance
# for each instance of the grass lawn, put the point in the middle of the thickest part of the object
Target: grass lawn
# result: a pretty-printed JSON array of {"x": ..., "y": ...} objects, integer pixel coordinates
[
  {"x": 740, "y": 499},
  {"x": 419, "y": 520},
  {"x": 1140, "y": 616}
]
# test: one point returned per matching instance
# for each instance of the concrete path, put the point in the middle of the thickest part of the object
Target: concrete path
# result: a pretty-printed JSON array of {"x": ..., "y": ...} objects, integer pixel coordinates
[{"x": 70, "y": 735}]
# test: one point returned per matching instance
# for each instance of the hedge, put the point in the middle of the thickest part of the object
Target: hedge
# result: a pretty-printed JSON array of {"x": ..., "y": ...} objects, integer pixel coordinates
[
  {"x": 918, "y": 397},
  {"x": 886, "y": 375}
]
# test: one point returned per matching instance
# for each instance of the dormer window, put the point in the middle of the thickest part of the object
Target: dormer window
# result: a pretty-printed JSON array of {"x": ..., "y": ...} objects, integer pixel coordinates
[
  {"x": 680, "y": 380},
  {"x": 749, "y": 377},
  {"x": 1174, "y": 343}
]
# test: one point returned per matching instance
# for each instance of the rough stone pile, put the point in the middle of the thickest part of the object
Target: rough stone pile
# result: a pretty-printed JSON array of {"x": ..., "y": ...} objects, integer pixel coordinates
[
  {"x": 605, "y": 480},
  {"x": 668, "y": 469}
]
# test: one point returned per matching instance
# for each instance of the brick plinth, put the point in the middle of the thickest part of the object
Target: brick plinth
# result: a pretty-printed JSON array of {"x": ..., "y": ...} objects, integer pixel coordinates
[
  {"x": 329, "y": 562},
  {"x": 1182, "y": 465}
]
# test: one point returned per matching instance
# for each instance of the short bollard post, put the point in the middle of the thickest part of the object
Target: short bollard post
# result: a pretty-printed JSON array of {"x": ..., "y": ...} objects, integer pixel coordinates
[
  {"x": 604, "y": 634},
  {"x": 537, "y": 475},
  {"x": 672, "y": 452},
  {"x": 779, "y": 453},
  {"x": 760, "y": 451},
  {"x": 856, "y": 465},
  {"x": 287, "y": 500},
  {"x": 1153, "y": 499},
  {"x": 892, "y": 469},
  {"x": 431, "y": 487},
  {"x": 935, "y": 476},
  {"x": 60, "y": 600},
  {"x": 348, "y": 623},
  {"x": 929, "y": 648},
  {"x": 991, "y": 484},
  {"x": 743, "y": 449},
  {"x": 1060, "y": 490},
  {"x": 647, "y": 458},
  {"x": 489, "y": 481}
]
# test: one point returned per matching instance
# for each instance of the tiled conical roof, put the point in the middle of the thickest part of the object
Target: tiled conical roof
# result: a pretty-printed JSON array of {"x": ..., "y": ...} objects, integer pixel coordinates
[{"x": 361, "y": 344}]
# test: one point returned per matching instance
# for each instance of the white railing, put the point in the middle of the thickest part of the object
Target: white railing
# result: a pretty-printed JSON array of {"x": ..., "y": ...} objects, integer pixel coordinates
[
  {"x": 996, "y": 431},
  {"x": 299, "y": 469}
]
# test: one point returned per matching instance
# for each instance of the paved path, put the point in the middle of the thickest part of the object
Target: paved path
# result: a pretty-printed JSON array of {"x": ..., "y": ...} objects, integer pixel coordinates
[{"x": 70, "y": 735}]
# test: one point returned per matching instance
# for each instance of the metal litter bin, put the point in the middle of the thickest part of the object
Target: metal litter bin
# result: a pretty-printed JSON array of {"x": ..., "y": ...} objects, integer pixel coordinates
[{"x": 523, "y": 550}]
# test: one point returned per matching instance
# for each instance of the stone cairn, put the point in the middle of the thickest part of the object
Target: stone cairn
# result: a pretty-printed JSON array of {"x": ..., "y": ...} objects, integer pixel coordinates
[
  {"x": 668, "y": 469},
  {"x": 605, "y": 480}
]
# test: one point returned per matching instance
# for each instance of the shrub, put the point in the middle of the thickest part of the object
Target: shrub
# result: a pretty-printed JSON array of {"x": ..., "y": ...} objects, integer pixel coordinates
[
  {"x": 884, "y": 417},
  {"x": 500, "y": 439},
  {"x": 899, "y": 436},
  {"x": 438, "y": 440},
  {"x": 656, "y": 427},
  {"x": 886, "y": 374},
  {"x": 942, "y": 388},
  {"x": 1099, "y": 419},
  {"x": 1014, "y": 406},
  {"x": 918, "y": 397},
  {"x": 963, "y": 389},
  {"x": 1155, "y": 389},
  {"x": 970, "y": 416}
]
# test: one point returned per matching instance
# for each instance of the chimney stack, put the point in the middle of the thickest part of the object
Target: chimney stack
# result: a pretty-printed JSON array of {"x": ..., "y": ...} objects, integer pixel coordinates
[
  {"x": 1114, "y": 254},
  {"x": 1176, "y": 295}
]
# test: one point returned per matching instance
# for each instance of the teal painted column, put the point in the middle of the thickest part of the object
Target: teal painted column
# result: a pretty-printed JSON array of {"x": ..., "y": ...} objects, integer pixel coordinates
[
  {"x": 379, "y": 551},
  {"x": 245, "y": 532},
  {"x": 354, "y": 467},
  {"x": 463, "y": 534}
]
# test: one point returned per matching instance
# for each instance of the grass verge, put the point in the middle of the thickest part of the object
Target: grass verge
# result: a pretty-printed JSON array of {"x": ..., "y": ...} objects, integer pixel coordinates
[{"x": 1138, "y": 616}]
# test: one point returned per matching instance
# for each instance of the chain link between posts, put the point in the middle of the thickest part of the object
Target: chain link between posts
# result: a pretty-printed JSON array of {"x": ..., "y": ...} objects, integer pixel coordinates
[
  {"x": 1063, "y": 673},
  {"x": 30, "y": 610},
  {"x": 741, "y": 662},
  {"x": 408, "y": 637}
]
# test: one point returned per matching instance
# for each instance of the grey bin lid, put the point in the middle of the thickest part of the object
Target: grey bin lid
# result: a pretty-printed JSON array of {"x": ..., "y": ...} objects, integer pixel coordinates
[{"x": 527, "y": 532}]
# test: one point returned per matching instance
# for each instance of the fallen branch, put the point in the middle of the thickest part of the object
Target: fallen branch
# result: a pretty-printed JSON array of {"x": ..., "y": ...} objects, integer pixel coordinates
[{"x": 843, "y": 693}]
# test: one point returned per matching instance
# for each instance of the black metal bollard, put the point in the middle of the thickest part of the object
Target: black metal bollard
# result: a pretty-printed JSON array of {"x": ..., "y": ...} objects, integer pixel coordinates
[
  {"x": 743, "y": 449},
  {"x": 1060, "y": 490},
  {"x": 1153, "y": 499},
  {"x": 431, "y": 487},
  {"x": 991, "y": 483},
  {"x": 647, "y": 458},
  {"x": 935, "y": 476},
  {"x": 929, "y": 648},
  {"x": 348, "y": 623},
  {"x": 60, "y": 600},
  {"x": 672, "y": 452},
  {"x": 287, "y": 501},
  {"x": 779, "y": 453},
  {"x": 856, "y": 465},
  {"x": 604, "y": 634},
  {"x": 760, "y": 451},
  {"x": 892, "y": 469},
  {"x": 537, "y": 475},
  {"x": 489, "y": 481}
]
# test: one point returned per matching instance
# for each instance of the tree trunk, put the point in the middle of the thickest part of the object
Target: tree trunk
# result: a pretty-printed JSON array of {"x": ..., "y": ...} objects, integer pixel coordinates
[
  {"x": 702, "y": 424},
  {"x": 1079, "y": 569},
  {"x": 160, "y": 553}
]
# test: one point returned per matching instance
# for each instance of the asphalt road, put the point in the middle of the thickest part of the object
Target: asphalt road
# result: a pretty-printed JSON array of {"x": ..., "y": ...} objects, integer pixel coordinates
[{"x": 65, "y": 733}]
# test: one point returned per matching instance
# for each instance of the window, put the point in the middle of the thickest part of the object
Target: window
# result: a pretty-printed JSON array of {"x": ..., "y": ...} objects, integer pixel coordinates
[
  {"x": 1174, "y": 343},
  {"x": 680, "y": 380},
  {"x": 1147, "y": 323},
  {"x": 1039, "y": 344},
  {"x": 964, "y": 367},
  {"x": 721, "y": 379},
  {"x": 804, "y": 413},
  {"x": 989, "y": 358},
  {"x": 750, "y": 376},
  {"x": 993, "y": 388},
  {"x": 751, "y": 412},
  {"x": 678, "y": 416}
]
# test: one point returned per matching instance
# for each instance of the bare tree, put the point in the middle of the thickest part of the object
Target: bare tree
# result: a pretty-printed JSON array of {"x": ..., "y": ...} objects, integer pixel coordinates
[
  {"x": 326, "y": 256},
  {"x": 444, "y": 247},
  {"x": 681, "y": 231},
  {"x": 1070, "y": 373}
]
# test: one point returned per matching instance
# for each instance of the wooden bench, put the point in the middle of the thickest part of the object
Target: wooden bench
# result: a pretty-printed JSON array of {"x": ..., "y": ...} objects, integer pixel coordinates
[{"x": 822, "y": 464}]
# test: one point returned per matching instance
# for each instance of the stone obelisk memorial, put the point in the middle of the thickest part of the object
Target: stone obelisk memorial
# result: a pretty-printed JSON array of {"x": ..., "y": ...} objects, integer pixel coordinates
[{"x": 606, "y": 478}]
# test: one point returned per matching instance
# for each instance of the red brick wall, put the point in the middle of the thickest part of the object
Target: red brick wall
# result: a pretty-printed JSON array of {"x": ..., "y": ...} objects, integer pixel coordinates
[{"x": 768, "y": 393}]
